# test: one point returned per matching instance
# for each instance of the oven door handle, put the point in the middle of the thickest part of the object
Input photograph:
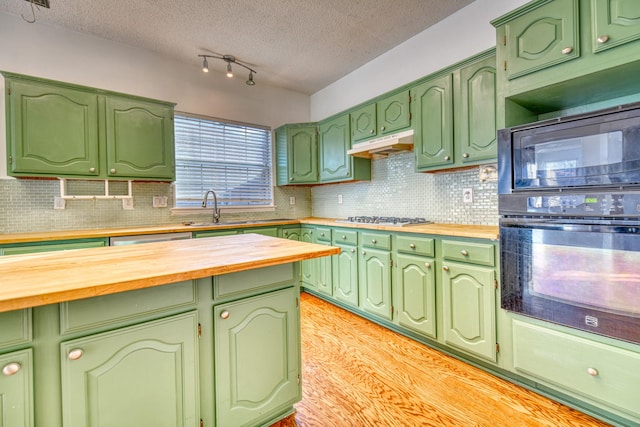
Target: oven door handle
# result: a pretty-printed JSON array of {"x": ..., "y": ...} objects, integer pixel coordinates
[{"x": 577, "y": 225}]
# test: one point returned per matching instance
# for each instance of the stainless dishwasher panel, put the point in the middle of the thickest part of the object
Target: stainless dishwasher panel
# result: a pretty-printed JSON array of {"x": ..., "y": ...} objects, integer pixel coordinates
[{"x": 147, "y": 238}]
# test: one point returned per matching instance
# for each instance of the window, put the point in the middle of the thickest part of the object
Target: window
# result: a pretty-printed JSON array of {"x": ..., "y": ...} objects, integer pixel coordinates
[{"x": 233, "y": 159}]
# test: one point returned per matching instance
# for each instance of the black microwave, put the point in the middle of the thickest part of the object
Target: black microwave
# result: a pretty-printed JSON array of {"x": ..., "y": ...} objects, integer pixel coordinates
[{"x": 586, "y": 151}]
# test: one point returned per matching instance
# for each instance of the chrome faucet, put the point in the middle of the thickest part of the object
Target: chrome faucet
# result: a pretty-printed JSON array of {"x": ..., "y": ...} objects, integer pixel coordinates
[{"x": 216, "y": 211}]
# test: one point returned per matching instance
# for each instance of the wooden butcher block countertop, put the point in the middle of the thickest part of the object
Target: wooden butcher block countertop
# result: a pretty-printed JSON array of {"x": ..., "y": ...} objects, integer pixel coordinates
[{"x": 52, "y": 277}]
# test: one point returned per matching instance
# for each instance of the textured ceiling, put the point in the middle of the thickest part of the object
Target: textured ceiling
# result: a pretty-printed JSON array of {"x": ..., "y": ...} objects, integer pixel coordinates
[{"x": 302, "y": 45}]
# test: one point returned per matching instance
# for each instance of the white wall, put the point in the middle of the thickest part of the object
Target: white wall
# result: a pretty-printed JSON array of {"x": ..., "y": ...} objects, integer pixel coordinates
[
  {"x": 58, "y": 54},
  {"x": 461, "y": 35}
]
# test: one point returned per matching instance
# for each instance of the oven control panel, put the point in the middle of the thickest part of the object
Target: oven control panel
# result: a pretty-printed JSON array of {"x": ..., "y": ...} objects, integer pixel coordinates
[{"x": 599, "y": 204}]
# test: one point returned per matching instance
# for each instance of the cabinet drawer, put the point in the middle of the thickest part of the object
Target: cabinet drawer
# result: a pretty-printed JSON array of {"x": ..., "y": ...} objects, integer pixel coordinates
[
  {"x": 415, "y": 245},
  {"x": 16, "y": 327},
  {"x": 597, "y": 371},
  {"x": 254, "y": 281},
  {"x": 477, "y": 253},
  {"x": 125, "y": 307},
  {"x": 376, "y": 240},
  {"x": 345, "y": 237},
  {"x": 323, "y": 234}
]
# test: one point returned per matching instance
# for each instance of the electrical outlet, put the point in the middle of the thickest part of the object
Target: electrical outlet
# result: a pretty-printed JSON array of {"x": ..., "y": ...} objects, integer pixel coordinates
[
  {"x": 292, "y": 200},
  {"x": 59, "y": 203},
  {"x": 340, "y": 199},
  {"x": 467, "y": 195},
  {"x": 159, "y": 201},
  {"x": 127, "y": 203}
]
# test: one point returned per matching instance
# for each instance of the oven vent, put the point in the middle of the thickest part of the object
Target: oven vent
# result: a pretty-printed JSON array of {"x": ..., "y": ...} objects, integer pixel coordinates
[{"x": 43, "y": 3}]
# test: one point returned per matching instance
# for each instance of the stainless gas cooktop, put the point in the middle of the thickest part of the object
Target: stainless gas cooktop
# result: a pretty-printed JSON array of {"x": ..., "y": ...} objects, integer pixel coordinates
[{"x": 384, "y": 220}]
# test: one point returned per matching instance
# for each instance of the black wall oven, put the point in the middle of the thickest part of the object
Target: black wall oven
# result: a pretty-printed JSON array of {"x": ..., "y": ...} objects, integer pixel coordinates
[{"x": 569, "y": 203}]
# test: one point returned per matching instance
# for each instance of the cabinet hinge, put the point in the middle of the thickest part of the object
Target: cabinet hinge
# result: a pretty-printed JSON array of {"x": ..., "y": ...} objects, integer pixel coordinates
[
  {"x": 298, "y": 378},
  {"x": 9, "y": 91},
  {"x": 497, "y": 348},
  {"x": 504, "y": 40},
  {"x": 297, "y": 302},
  {"x": 201, "y": 423},
  {"x": 410, "y": 115},
  {"x": 495, "y": 283},
  {"x": 199, "y": 330},
  {"x": 505, "y": 65},
  {"x": 10, "y": 159},
  {"x": 391, "y": 263}
]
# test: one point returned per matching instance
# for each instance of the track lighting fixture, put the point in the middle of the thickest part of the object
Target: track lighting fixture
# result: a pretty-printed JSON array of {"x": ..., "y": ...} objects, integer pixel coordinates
[{"x": 229, "y": 59}]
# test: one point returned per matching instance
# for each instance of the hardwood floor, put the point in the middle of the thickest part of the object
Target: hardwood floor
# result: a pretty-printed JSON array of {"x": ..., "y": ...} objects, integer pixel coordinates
[{"x": 356, "y": 373}]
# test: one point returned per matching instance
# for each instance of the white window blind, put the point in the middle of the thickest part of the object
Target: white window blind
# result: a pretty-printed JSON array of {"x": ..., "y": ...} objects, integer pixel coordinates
[{"x": 232, "y": 159}]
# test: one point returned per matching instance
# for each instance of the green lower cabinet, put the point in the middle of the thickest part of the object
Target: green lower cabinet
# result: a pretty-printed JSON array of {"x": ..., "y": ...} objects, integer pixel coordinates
[
  {"x": 215, "y": 233},
  {"x": 415, "y": 294},
  {"x": 308, "y": 267},
  {"x": 139, "y": 376},
  {"x": 345, "y": 274},
  {"x": 16, "y": 389},
  {"x": 468, "y": 308},
  {"x": 257, "y": 358},
  {"x": 324, "y": 278},
  {"x": 374, "y": 273},
  {"x": 266, "y": 231},
  {"x": 53, "y": 246}
]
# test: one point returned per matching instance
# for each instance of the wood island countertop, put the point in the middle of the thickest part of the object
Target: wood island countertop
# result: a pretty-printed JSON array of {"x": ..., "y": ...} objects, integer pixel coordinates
[{"x": 52, "y": 277}]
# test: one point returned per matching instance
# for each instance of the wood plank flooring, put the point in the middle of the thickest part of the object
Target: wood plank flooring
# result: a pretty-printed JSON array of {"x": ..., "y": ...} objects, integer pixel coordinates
[{"x": 356, "y": 373}]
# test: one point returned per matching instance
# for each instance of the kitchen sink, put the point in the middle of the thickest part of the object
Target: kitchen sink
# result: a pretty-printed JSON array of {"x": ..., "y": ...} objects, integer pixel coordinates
[{"x": 240, "y": 222}]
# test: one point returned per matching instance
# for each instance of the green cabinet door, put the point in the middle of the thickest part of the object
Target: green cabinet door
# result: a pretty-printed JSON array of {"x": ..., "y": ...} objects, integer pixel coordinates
[
  {"x": 432, "y": 118},
  {"x": 257, "y": 363},
  {"x": 308, "y": 267},
  {"x": 324, "y": 279},
  {"x": 139, "y": 139},
  {"x": 345, "y": 274},
  {"x": 51, "y": 130},
  {"x": 335, "y": 163},
  {"x": 615, "y": 22},
  {"x": 363, "y": 123},
  {"x": 475, "y": 112},
  {"x": 16, "y": 389},
  {"x": 545, "y": 36},
  {"x": 374, "y": 272},
  {"x": 468, "y": 308},
  {"x": 415, "y": 294},
  {"x": 303, "y": 155},
  {"x": 290, "y": 233},
  {"x": 393, "y": 113},
  {"x": 139, "y": 376}
]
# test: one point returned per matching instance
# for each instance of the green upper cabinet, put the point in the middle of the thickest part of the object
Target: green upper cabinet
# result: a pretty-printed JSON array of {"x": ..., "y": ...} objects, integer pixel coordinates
[
  {"x": 545, "y": 36},
  {"x": 57, "y": 129},
  {"x": 387, "y": 115},
  {"x": 615, "y": 22},
  {"x": 393, "y": 113},
  {"x": 334, "y": 163},
  {"x": 363, "y": 123},
  {"x": 475, "y": 112},
  {"x": 297, "y": 154},
  {"x": 154, "y": 364},
  {"x": 51, "y": 130},
  {"x": 432, "y": 111},
  {"x": 139, "y": 139}
]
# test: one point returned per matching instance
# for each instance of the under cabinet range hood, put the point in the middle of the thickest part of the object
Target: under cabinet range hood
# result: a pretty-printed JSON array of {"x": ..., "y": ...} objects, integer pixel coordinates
[{"x": 383, "y": 146}]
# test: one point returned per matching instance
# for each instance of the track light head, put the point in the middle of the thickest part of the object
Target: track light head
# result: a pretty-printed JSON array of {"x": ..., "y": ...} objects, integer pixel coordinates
[
  {"x": 250, "y": 82},
  {"x": 205, "y": 65},
  {"x": 229, "y": 71},
  {"x": 229, "y": 59}
]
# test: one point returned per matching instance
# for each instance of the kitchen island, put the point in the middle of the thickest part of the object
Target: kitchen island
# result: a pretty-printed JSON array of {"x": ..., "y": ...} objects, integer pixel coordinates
[{"x": 157, "y": 334}]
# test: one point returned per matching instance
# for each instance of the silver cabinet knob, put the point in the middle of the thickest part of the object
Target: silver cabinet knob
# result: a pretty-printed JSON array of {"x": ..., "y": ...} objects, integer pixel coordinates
[
  {"x": 602, "y": 39},
  {"x": 11, "y": 369},
  {"x": 225, "y": 314},
  {"x": 321, "y": 234},
  {"x": 286, "y": 233},
  {"x": 464, "y": 252},
  {"x": 343, "y": 237},
  {"x": 593, "y": 372},
  {"x": 290, "y": 178},
  {"x": 567, "y": 50},
  {"x": 113, "y": 171},
  {"x": 364, "y": 253},
  {"x": 374, "y": 241},
  {"x": 353, "y": 250},
  {"x": 447, "y": 157},
  {"x": 372, "y": 131},
  {"x": 465, "y": 155},
  {"x": 75, "y": 354},
  {"x": 346, "y": 173},
  {"x": 445, "y": 268},
  {"x": 412, "y": 246},
  {"x": 92, "y": 170},
  {"x": 382, "y": 128},
  {"x": 428, "y": 265}
]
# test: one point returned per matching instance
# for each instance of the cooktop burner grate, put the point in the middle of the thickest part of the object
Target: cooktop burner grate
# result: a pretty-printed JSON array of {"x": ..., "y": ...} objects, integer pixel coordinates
[{"x": 385, "y": 220}]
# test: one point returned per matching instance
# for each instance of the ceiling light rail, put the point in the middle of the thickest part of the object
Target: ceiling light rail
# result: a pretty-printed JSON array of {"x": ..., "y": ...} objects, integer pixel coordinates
[{"x": 229, "y": 59}]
